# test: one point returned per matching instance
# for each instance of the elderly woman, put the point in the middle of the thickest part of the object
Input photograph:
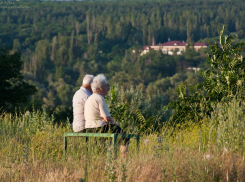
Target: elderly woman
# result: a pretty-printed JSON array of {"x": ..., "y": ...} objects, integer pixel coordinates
[{"x": 96, "y": 112}]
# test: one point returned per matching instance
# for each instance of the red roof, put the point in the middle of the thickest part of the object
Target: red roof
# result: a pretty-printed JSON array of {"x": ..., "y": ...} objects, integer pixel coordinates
[
  {"x": 173, "y": 43},
  {"x": 147, "y": 48}
]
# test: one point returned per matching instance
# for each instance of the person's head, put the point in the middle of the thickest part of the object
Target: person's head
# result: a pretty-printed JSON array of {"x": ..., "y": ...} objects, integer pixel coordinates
[
  {"x": 87, "y": 80},
  {"x": 100, "y": 85}
]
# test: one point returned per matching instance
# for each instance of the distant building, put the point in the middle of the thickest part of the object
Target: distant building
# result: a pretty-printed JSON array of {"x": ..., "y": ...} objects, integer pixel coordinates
[
  {"x": 145, "y": 50},
  {"x": 171, "y": 46}
]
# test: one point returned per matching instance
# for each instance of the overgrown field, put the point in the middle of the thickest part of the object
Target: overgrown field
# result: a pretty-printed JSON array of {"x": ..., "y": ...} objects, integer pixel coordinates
[{"x": 32, "y": 150}]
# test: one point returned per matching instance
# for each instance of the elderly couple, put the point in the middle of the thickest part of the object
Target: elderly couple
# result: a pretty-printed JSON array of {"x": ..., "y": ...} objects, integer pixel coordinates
[{"x": 90, "y": 111}]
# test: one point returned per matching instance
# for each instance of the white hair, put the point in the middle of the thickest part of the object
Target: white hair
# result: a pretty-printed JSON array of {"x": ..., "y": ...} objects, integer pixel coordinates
[
  {"x": 98, "y": 82},
  {"x": 88, "y": 79}
]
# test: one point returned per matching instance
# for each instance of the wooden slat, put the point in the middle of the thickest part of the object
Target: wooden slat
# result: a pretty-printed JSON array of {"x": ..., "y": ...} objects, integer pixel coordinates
[
  {"x": 89, "y": 134},
  {"x": 99, "y": 135}
]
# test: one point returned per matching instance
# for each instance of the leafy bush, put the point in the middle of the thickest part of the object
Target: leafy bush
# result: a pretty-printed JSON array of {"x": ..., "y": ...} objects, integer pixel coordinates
[
  {"x": 135, "y": 112},
  {"x": 222, "y": 81}
]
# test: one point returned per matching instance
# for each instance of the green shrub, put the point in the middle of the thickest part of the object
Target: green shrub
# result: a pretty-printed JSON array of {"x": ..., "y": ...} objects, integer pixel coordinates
[
  {"x": 134, "y": 111},
  {"x": 222, "y": 81}
]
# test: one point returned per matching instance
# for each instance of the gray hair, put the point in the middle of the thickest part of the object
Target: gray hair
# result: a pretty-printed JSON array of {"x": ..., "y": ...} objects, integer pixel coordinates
[
  {"x": 98, "y": 82},
  {"x": 88, "y": 79}
]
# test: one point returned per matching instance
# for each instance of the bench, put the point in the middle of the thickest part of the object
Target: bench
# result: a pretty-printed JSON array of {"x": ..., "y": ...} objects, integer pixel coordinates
[{"x": 114, "y": 136}]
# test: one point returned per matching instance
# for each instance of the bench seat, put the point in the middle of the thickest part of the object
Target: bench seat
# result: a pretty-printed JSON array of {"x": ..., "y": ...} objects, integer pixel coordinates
[{"x": 114, "y": 136}]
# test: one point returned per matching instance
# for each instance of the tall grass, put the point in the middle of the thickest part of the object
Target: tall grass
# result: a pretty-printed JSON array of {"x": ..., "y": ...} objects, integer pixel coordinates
[
  {"x": 231, "y": 126},
  {"x": 31, "y": 150}
]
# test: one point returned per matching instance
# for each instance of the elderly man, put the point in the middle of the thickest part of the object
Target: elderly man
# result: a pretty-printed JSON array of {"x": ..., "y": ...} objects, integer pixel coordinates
[
  {"x": 97, "y": 115},
  {"x": 78, "y": 104}
]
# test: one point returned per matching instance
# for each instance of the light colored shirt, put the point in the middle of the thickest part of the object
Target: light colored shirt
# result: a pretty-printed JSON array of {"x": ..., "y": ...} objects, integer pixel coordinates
[
  {"x": 95, "y": 109},
  {"x": 78, "y": 103}
]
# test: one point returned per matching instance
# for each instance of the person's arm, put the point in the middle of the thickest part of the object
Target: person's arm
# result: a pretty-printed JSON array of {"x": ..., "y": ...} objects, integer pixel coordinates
[
  {"x": 105, "y": 114},
  {"x": 109, "y": 119}
]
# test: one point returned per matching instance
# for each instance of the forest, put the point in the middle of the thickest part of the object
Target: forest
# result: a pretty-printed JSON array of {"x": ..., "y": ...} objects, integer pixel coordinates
[{"x": 60, "y": 42}]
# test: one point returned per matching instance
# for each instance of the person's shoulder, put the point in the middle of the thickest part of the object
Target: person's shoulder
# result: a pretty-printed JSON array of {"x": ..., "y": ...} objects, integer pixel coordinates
[
  {"x": 92, "y": 97},
  {"x": 80, "y": 94},
  {"x": 83, "y": 92},
  {"x": 97, "y": 97},
  {"x": 77, "y": 93}
]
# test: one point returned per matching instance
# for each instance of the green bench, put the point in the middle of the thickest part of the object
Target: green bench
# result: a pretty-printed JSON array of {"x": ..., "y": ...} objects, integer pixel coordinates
[{"x": 114, "y": 136}]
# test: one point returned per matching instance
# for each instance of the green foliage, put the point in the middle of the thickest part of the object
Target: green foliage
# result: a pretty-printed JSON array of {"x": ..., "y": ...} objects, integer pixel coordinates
[
  {"x": 226, "y": 74},
  {"x": 222, "y": 81},
  {"x": 14, "y": 90},
  {"x": 168, "y": 85},
  {"x": 135, "y": 112},
  {"x": 68, "y": 40}
]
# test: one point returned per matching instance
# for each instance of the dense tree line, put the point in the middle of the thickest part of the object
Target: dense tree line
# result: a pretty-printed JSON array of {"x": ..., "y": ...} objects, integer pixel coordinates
[{"x": 62, "y": 41}]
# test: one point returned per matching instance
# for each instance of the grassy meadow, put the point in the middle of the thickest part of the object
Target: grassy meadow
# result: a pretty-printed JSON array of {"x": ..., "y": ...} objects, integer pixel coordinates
[{"x": 32, "y": 150}]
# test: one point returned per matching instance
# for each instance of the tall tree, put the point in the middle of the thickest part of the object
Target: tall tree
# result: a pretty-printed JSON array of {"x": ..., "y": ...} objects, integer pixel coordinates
[{"x": 13, "y": 90}]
